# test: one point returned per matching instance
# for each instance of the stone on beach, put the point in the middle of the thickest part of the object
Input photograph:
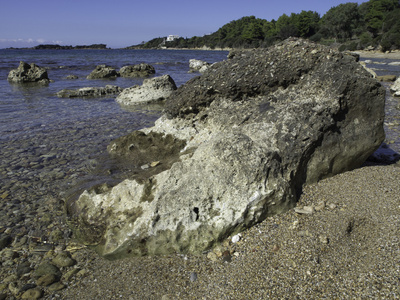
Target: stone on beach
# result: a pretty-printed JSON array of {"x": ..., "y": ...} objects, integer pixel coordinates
[
  {"x": 257, "y": 127},
  {"x": 28, "y": 73},
  {"x": 152, "y": 90}
]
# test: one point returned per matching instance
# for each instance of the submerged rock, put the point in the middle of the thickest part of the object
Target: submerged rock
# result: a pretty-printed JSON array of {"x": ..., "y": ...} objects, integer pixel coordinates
[
  {"x": 250, "y": 132},
  {"x": 90, "y": 92},
  {"x": 140, "y": 70},
  {"x": 28, "y": 73},
  {"x": 103, "y": 72},
  {"x": 152, "y": 90}
]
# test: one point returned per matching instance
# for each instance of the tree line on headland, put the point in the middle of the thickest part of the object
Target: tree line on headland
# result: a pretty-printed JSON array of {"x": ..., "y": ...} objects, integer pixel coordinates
[{"x": 374, "y": 23}]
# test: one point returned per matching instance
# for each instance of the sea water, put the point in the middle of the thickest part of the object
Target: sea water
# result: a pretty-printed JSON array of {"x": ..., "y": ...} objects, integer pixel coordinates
[{"x": 50, "y": 145}]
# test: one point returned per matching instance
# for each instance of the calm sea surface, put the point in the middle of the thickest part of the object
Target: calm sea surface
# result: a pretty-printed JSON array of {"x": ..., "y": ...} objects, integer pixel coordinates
[{"x": 33, "y": 108}]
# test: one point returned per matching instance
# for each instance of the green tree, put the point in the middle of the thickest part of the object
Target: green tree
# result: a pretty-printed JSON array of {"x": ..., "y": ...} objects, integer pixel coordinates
[
  {"x": 307, "y": 23},
  {"x": 376, "y": 12},
  {"x": 286, "y": 26},
  {"x": 253, "y": 31},
  {"x": 340, "y": 21},
  {"x": 391, "y": 28}
]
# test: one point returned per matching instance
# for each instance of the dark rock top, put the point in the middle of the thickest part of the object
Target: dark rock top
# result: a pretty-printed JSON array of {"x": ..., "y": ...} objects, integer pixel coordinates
[
  {"x": 140, "y": 70},
  {"x": 249, "y": 73},
  {"x": 28, "y": 73},
  {"x": 103, "y": 72}
]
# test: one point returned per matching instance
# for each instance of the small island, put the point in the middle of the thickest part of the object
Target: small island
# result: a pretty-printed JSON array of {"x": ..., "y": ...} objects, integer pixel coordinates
[{"x": 59, "y": 47}]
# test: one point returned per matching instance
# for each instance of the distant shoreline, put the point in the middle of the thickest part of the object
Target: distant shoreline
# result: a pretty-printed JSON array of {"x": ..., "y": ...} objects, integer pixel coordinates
[{"x": 376, "y": 54}]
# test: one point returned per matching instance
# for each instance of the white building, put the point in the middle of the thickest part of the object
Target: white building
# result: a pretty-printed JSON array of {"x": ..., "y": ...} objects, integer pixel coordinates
[{"x": 171, "y": 37}]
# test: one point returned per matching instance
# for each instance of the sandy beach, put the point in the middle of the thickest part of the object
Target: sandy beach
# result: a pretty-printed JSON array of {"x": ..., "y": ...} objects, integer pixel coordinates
[
  {"x": 348, "y": 248},
  {"x": 377, "y": 54}
]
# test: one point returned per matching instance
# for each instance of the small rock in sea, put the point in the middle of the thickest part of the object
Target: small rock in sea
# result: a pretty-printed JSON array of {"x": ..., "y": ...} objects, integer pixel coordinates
[
  {"x": 57, "y": 286},
  {"x": 34, "y": 293},
  {"x": 46, "y": 280},
  {"x": 46, "y": 268},
  {"x": 193, "y": 276},
  {"x": 5, "y": 241},
  {"x": 23, "y": 269},
  {"x": 13, "y": 288},
  {"x": 67, "y": 276},
  {"x": 236, "y": 238},
  {"x": 72, "y": 77},
  {"x": 64, "y": 259}
]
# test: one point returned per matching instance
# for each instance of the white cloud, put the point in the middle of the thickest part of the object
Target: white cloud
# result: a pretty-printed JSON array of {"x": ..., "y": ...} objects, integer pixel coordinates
[{"x": 30, "y": 42}]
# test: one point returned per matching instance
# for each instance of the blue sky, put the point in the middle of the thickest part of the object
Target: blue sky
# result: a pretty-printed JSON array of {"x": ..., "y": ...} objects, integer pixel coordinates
[{"x": 121, "y": 23}]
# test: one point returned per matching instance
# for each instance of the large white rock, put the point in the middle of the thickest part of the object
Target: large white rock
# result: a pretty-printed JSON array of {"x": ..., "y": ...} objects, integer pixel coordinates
[
  {"x": 152, "y": 90},
  {"x": 232, "y": 150}
]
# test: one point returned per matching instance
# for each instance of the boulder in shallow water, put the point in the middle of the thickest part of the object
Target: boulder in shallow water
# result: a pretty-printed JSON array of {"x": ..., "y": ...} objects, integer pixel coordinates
[
  {"x": 140, "y": 70},
  {"x": 152, "y": 90},
  {"x": 90, "y": 92},
  {"x": 103, "y": 72},
  {"x": 28, "y": 73},
  {"x": 246, "y": 136}
]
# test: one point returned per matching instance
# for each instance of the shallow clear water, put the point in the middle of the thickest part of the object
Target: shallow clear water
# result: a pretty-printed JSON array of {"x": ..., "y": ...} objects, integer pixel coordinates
[
  {"x": 48, "y": 143},
  {"x": 25, "y": 108}
]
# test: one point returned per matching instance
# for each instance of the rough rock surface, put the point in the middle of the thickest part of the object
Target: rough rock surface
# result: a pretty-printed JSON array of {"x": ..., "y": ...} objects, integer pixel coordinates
[
  {"x": 196, "y": 65},
  {"x": 28, "y": 73},
  {"x": 256, "y": 128},
  {"x": 140, "y": 70},
  {"x": 90, "y": 92},
  {"x": 103, "y": 72},
  {"x": 395, "y": 88},
  {"x": 152, "y": 90}
]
